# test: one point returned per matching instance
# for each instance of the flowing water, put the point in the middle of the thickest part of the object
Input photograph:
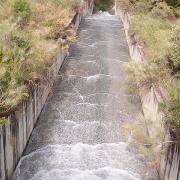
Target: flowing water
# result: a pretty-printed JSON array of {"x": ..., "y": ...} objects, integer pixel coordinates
[{"x": 78, "y": 135}]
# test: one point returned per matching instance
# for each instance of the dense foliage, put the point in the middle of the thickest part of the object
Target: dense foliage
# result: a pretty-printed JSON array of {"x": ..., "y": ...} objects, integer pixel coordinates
[
  {"x": 31, "y": 32},
  {"x": 105, "y": 5},
  {"x": 175, "y": 52},
  {"x": 172, "y": 109},
  {"x": 156, "y": 25},
  {"x": 174, "y": 3}
]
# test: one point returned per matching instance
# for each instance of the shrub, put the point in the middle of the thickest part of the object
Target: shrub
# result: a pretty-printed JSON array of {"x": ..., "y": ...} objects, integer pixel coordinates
[
  {"x": 162, "y": 10},
  {"x": 153, "y": 28},
  {"x": 171, "y": 109},
  {"x": 3, "y": 121},
  {"x": 135, "y": 6},
  {"x": 154, "y": 33},
  {"x": 74, "y": 5},
  {"x": 175, "y": 51},
  {"x": 124, "y": 4},
  {"x": 30, "y": 35},
  {"x": 142, "y": 7},
  {"x": 5, "y": 9},
  {"x": 105, "y": 5},
  {"x": 139, "y": 133},
  {"x": 145, "y": 73},
  {"x": 174, "y": 3},
  {"x": 22, "y": 9},
  {"x": 4, "y": 78}
]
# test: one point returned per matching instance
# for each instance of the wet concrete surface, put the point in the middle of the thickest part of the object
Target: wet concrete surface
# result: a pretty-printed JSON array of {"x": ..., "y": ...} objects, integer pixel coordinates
[{"x": 78, "y": 135}]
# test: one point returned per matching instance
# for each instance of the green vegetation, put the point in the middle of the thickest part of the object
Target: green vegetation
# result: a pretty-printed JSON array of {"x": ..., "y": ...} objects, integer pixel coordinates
[
  {"x": 139, "y": 132},
  {"x": 172, "y": 109},
  {"x": 74, "y": 5},
  {"x": 175, "y": 52},
  {"x": 21, "y": 8},
  {"x": 105, "y": 5},
  {"x": 174, "y": 3},
  {"x": 145, "y": 73},
  {"x": 3, "y": 121},
  {"x": 31, "y": 33},
  {"x": 156, "y": 26},
  {"x": 155, "y": 8}
]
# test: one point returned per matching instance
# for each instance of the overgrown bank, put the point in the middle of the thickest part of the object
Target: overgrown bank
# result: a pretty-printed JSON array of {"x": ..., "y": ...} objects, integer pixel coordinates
[
  {"x": 156, "y": 27},
  {"x": 31, "y": 33},
  {"x": 104, "y": 5}
]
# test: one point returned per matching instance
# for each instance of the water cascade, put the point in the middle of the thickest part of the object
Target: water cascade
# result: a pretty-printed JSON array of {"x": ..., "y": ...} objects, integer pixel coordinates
[{"x": 78, "y": 135}]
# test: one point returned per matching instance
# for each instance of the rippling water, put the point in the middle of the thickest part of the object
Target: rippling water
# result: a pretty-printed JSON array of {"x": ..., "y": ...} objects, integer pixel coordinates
[{"x": 78, "y": 135}]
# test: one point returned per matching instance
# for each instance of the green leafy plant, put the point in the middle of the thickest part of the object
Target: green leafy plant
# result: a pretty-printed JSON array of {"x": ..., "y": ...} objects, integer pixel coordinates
[
  {"x": 154, "y": 23},
  {"x": 137, "y": 133},
  {"x": 105, "y": 5},
  {"x": 174, "y": 3},
  {"x": 171, "y": 109},
  {"x": 175, "y": 51},
  {"x": 74, "y": 5},
  {"x": 162, "y": 10},
  {"x": 154, "y": 34},
  {"x": 145, "y": 73},
  {"x": 22, "y": 9},
  {"x": 3, "y": 121},
  {"x": 30, "y": 36},
  {"x": 124, "y": 4}
]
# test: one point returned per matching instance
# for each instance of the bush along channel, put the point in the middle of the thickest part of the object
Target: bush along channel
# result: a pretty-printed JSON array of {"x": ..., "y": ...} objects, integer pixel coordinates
[{"x": 153, "y": 27}]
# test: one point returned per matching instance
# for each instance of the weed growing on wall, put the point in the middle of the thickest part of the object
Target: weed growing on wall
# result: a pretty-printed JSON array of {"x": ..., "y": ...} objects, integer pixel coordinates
[
  {"x": 146, "y": 73},
  {"x": 171, "y": 109},
  {"x": 3, "y": 121},
  {"x": 21, "y": 9},
  {"x": 175, "y": 52},
  {"x": 137, "y": 133}
]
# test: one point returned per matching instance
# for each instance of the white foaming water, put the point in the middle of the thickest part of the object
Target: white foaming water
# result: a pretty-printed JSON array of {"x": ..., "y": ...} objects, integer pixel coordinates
[
  {"x": 106, "y": 173},
  {"x": 102, "y": 16},
  {"x": 93, "y": 45},
  {"x": 108, "y": 161},
  {"x": 94, "y": 78},
  {"x": 104, "y": 13},
  {"x": 79, "y": 136}
]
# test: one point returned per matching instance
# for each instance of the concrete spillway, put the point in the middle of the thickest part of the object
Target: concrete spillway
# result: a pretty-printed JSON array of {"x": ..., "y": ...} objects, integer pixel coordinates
[{"x": 78, "y": 135}]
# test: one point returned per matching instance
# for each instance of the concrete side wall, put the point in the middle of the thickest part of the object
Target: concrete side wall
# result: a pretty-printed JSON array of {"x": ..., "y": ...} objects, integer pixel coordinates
[
  {"x": 170, "y": 164},
  {"x": 14, "y": 135},
  {"x": 150, "y": 97},
  {"x": 169, "y": 168}
]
